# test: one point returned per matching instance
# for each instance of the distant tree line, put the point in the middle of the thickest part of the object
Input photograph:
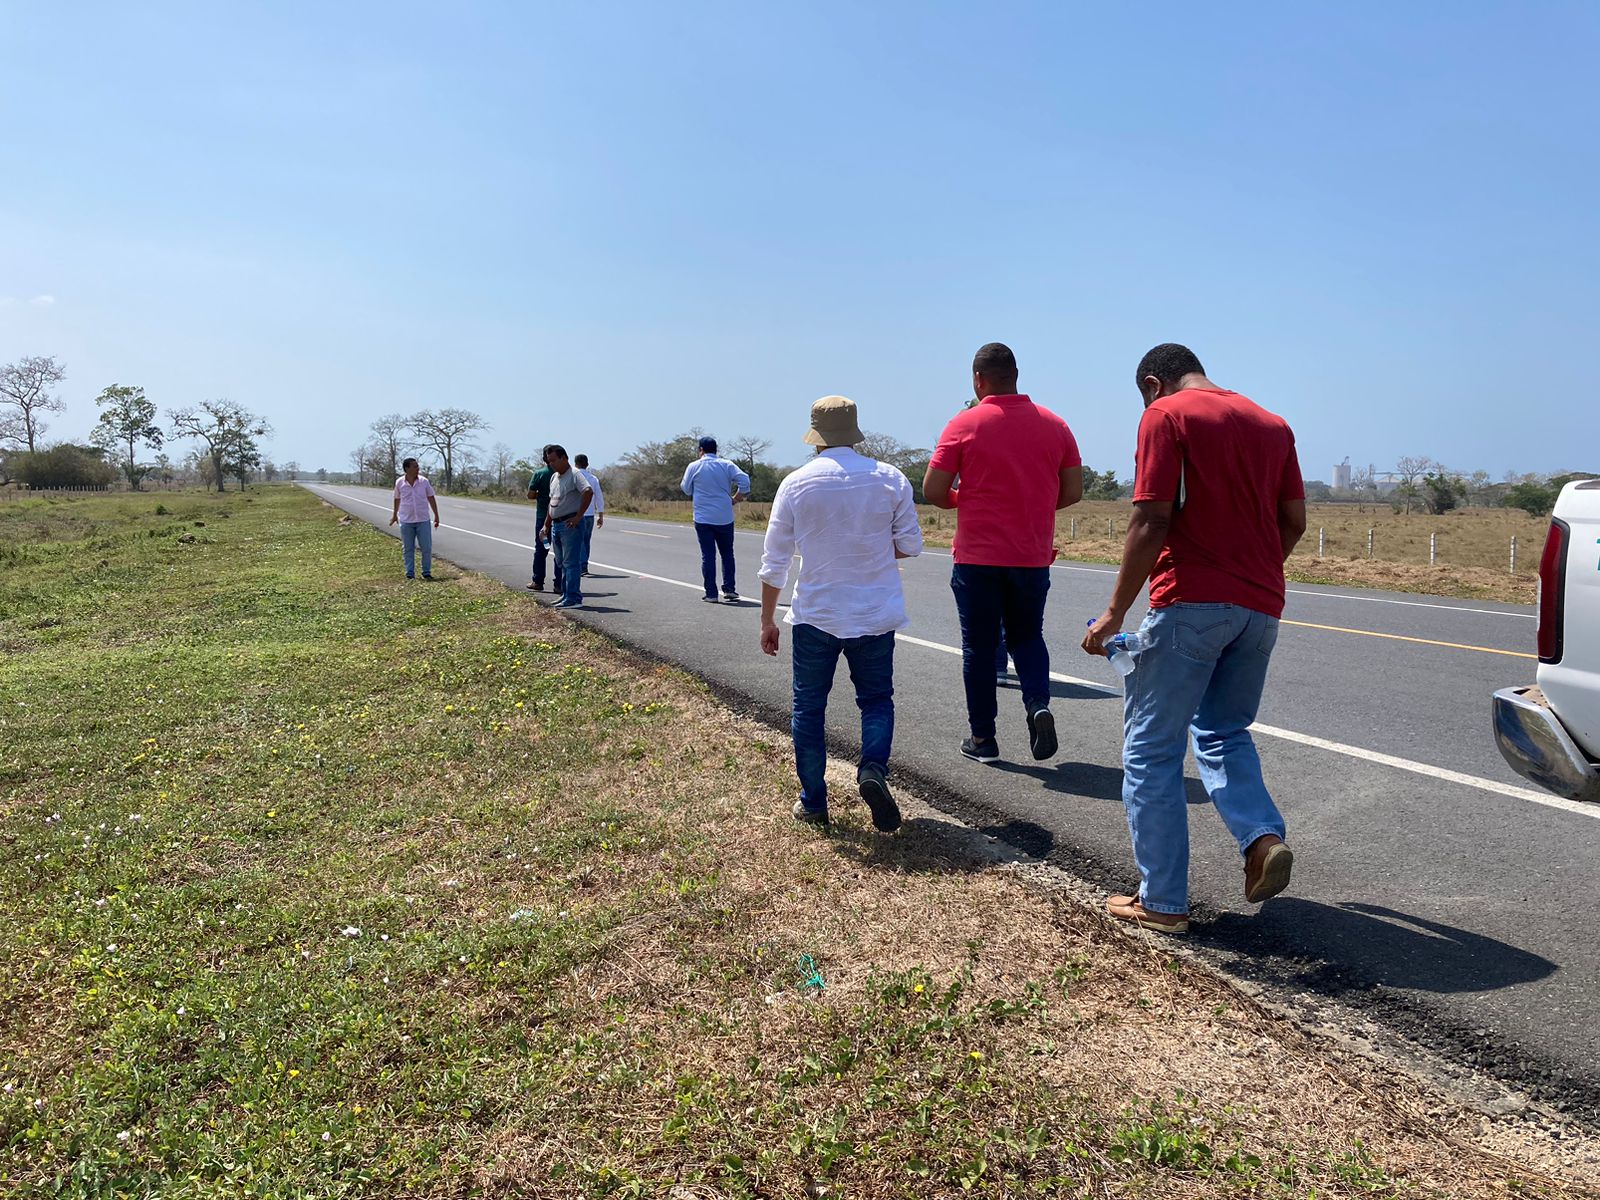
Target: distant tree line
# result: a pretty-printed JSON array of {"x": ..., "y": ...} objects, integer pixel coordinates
[
  {"x": 1419, "y": 483},
  {"x": 226, "y": 436}
]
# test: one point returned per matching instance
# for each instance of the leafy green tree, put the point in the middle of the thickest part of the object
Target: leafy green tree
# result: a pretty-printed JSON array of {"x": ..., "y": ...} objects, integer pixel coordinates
[
  {"x": 127, "y": 419},
  {"x": 1535, "y": 499},
  {"x": 1442, "y": 491}
]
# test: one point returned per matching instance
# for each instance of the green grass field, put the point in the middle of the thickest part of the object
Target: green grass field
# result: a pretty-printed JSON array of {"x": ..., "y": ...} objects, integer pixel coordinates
[{"x": 317, "y": 883}]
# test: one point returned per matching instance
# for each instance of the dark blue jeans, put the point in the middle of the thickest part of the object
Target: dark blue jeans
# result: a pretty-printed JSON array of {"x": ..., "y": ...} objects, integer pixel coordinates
[
  {"x": 871, "y": 661},
  {"x": 715, "y": 538},
  {"x": 542, "y": 555},
  {"x": 568, "y": 547},
  {"x": 996, "y": 601}
]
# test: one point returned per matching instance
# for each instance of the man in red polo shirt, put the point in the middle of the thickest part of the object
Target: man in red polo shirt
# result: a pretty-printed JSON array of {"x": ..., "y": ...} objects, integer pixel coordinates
[
  {"x": 1218, "y": 504},
  {"x": 1018, "y": 464}
]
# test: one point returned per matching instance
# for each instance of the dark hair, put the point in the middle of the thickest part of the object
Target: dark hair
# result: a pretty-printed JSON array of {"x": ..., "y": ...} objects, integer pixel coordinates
[
  {"x": 545, "y": 453},
  {"x": 555, "y": 448},
  {"x": 1168, "y": 362},
  {"x": 708, "y": 444},
  {"x": 995, "y": 361},
  {"x": 410, "y": 462},
  {"x": 580, "y": 460}
]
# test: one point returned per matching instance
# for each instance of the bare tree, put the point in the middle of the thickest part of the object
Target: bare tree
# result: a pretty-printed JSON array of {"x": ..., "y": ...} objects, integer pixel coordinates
[
  {"x": 25, "y": 386},
  {"x": 358, "y": 462},
  {"x": 127, "y": 417},
  {"x": 500, "y": 460},
  {"x": 229, "y": 432},
  {"x": 389, "y": 445},
  {"x": 893, "y": 451},
  {"x": 448, "y": 432},
  {"x": 748, "y": 449},
  {"x": 1409, "y": 470},
  {"x": 291, "y": 469}
]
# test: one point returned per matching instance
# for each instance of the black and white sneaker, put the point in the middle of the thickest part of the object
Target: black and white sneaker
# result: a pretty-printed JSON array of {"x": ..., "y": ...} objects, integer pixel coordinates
[
  {"x": 709, "y": 599},
  {"x": 730, "y": 597},
  {"x": 809, "y": 816},
  {"x": 875, "y": 791},
  {"x": 984, "y": 750},
  {"x": 1042, "y": 733}
]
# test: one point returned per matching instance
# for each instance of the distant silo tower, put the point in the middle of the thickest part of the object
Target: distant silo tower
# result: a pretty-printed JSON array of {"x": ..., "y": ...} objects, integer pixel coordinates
[{"x": 1341, "y": 475}]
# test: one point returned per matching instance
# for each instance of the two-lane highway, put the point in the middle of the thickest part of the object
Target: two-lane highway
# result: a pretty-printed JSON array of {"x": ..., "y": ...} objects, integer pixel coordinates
[{"x": 1431, "y": 884}]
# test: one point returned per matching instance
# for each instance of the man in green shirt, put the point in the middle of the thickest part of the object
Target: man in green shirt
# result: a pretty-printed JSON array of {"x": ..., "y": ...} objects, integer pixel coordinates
[{"x": 539, "y": 491}]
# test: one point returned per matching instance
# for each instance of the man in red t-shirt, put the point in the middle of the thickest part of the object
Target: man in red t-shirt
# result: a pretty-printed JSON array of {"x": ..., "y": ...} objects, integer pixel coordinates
[
  {"x": 1018, "y": 464},
  {"x": 1217, "y": 506}
]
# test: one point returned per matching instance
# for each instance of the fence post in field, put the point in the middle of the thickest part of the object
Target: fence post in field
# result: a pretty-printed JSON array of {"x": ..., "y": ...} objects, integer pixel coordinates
[
  {"x": 1322, "y": 540},
  {"x": 1370, "y": 532},
  {"x": 1513, "y": 554},
  {"x": 1433, "y": 548},
  {"x": 1074, "y": 534},
  {"x": 1111, "y": 527}
]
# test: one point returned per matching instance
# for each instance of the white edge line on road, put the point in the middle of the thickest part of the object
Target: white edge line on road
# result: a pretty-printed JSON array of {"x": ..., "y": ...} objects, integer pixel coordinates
[
  {"x": 641, "y": 533},
  {"x": 1288, "y": 735}
]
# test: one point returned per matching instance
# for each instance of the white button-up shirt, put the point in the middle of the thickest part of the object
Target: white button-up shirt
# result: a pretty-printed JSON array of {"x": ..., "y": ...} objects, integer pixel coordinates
[
  {"x": 845, "y": 515},
  {"x": 598, "y": 504},
  {"x": 413, "y": 499}
]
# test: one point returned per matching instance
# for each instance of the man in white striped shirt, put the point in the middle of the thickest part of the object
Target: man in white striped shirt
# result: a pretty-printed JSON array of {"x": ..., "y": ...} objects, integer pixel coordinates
[{"x": 849, "y": 518}]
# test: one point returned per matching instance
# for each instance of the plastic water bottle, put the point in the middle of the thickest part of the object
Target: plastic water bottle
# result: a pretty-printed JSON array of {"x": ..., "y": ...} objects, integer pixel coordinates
[{"x": 1121, "y": 649}]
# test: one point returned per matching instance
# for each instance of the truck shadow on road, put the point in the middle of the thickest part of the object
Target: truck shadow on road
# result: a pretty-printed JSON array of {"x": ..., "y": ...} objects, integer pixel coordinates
[{"x": 1360, "y": 946}]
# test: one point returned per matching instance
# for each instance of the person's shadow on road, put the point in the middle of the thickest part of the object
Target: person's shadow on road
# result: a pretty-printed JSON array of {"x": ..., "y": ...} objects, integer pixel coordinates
[
  {"x": 1365, "y": 945},
  {"x": 1090, "y": 780}
]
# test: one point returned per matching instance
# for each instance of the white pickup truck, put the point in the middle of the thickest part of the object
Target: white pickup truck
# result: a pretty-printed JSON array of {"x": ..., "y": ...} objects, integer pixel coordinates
[{"x": 1550, "y": 733}]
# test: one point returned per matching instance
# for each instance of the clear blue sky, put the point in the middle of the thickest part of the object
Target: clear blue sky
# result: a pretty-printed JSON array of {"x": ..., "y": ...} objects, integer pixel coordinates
[{"x": 605, "y": 223}]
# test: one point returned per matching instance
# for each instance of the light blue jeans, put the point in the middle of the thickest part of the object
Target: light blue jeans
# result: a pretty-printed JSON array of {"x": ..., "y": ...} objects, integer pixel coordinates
[
  {"x": 1199, "y": 676},
  {"x": 412, "y": 535}
]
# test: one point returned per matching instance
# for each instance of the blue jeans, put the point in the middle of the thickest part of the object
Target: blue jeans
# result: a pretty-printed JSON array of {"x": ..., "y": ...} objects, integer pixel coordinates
[
  {"x": 715, "y": 539},
  {"x": 542, "y": 555},
  {"x": 412, "y": 535},
  {"x": 1199, "y": 676},
  {"x": 996, "y": 602},
  {"x": 567, "y": 545},
  {"x": 587, "y": 529},
  {"x": 871, "y": 661}
]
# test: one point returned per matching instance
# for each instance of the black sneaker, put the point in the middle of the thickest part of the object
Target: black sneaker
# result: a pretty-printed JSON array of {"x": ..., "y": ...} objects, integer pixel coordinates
[
  {"x": 875, "y": 791},
  {"x": 730, "y": 597},
  {"x": 1042, "y": 733},
  {"x": 809, "y": 816},
  {"x": 984, "y": 750},
  {"x": 428, "y": 577}
]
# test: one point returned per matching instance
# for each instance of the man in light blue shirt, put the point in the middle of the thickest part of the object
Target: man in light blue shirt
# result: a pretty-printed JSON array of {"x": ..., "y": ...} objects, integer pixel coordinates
[{"x": 715, "y": 485}]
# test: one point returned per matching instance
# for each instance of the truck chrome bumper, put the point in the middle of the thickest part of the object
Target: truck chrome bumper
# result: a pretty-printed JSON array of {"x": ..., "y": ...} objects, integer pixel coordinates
[{"x": 1532, "y": 740}]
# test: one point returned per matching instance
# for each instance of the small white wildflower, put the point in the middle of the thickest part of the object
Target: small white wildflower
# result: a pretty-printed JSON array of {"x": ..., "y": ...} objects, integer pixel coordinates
[
  {"x": 111, "y": 948},
  {"x": 124, "y": 1135},
  {"x": 326, "y": 1136},
  {"x": 351, "y": 931},
  {"x": 305, "y": 954},
  {"x": 383, "y": 937},
  {"x": 38, "y": 1105},
  {"x": 100, "y": 903},
  {"x": 182, "y": 1010},
  {"x": 463, "y": 958},
  {"x": 9, "y": 1088}
]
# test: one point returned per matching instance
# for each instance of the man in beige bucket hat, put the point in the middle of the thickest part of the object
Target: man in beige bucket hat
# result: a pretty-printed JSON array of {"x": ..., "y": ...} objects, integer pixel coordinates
[{"x": 849, "y": 518}]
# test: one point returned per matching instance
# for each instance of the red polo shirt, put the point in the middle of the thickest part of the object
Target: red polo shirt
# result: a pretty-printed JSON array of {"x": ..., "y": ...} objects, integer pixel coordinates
[
  {"x": 1009, "y": 453},
  {"x": 1227, "y": 463}
]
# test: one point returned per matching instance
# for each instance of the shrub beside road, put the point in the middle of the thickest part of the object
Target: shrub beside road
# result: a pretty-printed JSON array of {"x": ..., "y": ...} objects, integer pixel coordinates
[{"x": 317, "y": 882}]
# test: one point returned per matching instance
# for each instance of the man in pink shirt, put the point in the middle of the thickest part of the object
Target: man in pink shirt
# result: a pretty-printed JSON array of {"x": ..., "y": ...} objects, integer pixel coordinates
[
  {"x": 1018, "y": 464},
  {"x": 413, "y": 500}
]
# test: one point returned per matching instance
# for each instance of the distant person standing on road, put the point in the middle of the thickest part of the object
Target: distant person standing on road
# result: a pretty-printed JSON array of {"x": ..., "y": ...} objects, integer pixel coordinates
[
  {"x": 1218, "y": 504},
  {"x": 715, "y": 485},
  {"x": 571, "y": 493},
  {"x": 595, "y": 518},
  {"x": 539, "y": 492},
  {"x": 849, "y": 518},
  {"x": 413, "y": 499},
  {"x": 1018, "y": 463}
]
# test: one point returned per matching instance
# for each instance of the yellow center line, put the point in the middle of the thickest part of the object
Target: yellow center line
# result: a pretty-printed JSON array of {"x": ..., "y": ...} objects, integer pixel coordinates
[{"x": 1400, "y": 637}]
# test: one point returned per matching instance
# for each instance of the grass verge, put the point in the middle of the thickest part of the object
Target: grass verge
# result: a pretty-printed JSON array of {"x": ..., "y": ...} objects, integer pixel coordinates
[{"x": 314, "y": 882}]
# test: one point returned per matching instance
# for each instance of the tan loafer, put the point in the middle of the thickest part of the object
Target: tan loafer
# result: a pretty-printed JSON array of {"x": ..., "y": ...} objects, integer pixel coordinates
[
  {"x": 1128, "y": 908},
  {"x": 1266, "y": 868}
]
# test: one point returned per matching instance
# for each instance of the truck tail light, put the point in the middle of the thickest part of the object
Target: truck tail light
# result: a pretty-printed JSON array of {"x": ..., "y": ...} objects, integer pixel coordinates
[{"x": 1552, "y": 591}]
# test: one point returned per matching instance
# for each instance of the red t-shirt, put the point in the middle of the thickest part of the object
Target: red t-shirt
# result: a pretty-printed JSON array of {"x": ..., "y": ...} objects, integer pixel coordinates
[
  {"x": 1226, "y": 462},
  {"x": 1009, "y": 453}
]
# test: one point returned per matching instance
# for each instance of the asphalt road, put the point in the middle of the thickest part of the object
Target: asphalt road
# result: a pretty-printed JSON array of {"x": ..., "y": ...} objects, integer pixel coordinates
[{"x": 1432, "y": 887}]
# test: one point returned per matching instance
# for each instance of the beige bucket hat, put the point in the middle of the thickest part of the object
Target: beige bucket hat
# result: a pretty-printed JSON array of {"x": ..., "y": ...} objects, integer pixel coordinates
[{"x": 833, "y": 423}]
